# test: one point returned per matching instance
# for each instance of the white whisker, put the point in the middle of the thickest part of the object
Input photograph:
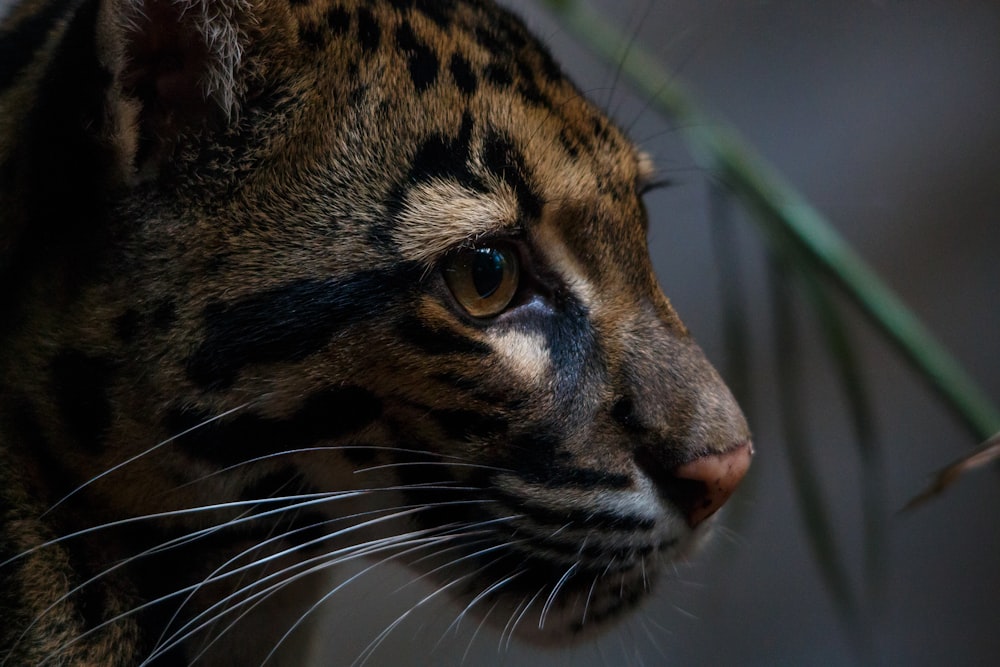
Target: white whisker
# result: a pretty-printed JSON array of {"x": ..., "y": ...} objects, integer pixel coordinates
[
  {"x": 555, "y": 592},
  {"x": 142, "y": 454},
  {"x": 257, "y": 597},
  {"x": 513, "y": 628}
]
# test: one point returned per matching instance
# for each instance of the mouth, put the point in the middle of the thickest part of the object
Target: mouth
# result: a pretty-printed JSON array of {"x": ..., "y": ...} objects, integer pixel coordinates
[{"x": 552, "y": 584}]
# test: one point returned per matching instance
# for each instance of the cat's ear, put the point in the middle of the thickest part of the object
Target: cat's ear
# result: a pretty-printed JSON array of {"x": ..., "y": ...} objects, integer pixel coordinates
[{"x": 176, "y": 66}]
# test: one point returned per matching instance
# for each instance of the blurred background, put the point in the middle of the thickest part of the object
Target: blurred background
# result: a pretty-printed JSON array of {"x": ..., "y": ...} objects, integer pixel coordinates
[{"x": 886, "y": 116}]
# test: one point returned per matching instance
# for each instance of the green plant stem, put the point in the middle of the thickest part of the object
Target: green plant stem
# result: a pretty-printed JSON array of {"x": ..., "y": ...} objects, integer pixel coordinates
[{"x": 785, "y": 216}]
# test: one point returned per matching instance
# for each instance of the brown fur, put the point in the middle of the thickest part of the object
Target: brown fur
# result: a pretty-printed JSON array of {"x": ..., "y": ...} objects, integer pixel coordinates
[{"x": 230, "y": 217}]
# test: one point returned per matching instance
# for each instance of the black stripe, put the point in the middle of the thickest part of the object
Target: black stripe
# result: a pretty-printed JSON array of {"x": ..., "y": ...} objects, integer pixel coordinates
[
  {"x": 473, "y": 387},
  {"x": 369, "y": 31},
  {"x": 291, "y": 322},
  {"x": 64, "y": 203},
  {"x": 327, "y": 415},
  {"x": 80, "y": 384},
  {"x": 19, "y": 45},
  {"x": 626, "y": 555},
  {"x": 434, "y": 340},
  {"x": 423, "y": 62},
  {"x": 463, "y": 424},
  {"x": 504, "y": 158}
]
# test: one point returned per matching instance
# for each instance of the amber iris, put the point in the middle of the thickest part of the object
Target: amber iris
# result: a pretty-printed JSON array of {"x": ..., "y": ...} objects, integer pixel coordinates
[{"x": 483, "y": 279}]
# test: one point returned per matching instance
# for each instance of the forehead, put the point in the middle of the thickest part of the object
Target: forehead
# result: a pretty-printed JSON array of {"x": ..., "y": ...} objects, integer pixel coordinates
[
  {"x": 421, "y": 126},
  {"x": 426, "y": 67}
]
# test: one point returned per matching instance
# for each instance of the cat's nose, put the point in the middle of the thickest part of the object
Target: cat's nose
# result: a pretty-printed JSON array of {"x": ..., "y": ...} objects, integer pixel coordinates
[
  {"x": 701, "y": 486},
  {"x": 711, "y": 479}
]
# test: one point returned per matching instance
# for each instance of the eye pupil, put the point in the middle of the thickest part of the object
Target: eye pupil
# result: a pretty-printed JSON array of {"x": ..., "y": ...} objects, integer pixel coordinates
[{"x": 487, "y": 271}]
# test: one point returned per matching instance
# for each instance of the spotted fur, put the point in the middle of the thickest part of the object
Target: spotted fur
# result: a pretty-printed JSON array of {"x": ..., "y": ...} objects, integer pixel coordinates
[{"x": 229, "y": 357}]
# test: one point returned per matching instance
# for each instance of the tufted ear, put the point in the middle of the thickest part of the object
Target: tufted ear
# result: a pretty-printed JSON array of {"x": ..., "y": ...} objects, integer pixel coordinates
[{"x": 176, "y": 66}]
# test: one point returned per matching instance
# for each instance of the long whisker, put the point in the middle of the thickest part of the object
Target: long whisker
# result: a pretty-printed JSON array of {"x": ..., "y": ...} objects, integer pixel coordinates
[
  {"x": 479, "y": 627},
  {"x": 318, "y": 603},
  {"x": 489, "y": 589},
  {"x": 312, "y": 499},
  {"x": 174, "y": 542},
  {"x": 432, "y": 572},
  {"x": 138, "y": 456},
  {"x": 149, "y": 604},
  {"x": 375, "y": 643},
  {"x": 257, "y": 598},
  {"x": 253, "y": 599},
  {"x": 513, "y": 628},
  {"x": 555, "y": 591},
  {"x": 359, "y": 549},
  {"x": 404, "y": 464},
  {"x": 444, "y": 533},
  {"x": 330, "y": 448},
  {"x": 169, "y": 544}
]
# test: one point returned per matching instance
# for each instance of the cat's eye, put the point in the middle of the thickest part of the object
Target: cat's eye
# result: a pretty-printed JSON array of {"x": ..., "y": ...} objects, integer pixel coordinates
[{"x": 484, "y": 279}]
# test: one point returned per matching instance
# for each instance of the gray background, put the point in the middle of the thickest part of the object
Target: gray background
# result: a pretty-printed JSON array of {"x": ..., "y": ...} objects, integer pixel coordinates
[{"x": 886, "y": 115}]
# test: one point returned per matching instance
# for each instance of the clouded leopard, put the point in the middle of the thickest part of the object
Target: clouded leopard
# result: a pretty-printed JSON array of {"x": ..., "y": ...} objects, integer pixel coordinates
[{"x": 290, "y": 283}]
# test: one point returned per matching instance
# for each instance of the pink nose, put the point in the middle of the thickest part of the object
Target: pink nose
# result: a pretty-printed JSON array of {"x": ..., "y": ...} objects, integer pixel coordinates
[{"x": 700, "y": 487}]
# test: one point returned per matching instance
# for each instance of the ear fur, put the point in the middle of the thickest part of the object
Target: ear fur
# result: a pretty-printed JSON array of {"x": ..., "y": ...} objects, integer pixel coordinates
[{"x": 176, "y": 66}]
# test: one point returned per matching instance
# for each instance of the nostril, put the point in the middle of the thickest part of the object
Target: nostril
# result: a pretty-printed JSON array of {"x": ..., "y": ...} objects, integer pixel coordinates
[
  {"x": 700, "y": 487},
  {"x": 623, "y": 412}
]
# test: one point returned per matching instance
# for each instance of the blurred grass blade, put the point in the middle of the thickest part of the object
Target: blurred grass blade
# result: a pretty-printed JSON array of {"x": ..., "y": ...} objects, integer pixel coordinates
[
  {"x": 986, "y": 453},
  {"x": 841, "y": 349},
  {"x": 815, "y": 516},
  {"x": 781, "y": 212}
]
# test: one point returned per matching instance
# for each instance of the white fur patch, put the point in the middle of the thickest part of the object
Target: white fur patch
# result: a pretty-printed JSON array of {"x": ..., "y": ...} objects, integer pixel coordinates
[{"x": 525, "y": 354}]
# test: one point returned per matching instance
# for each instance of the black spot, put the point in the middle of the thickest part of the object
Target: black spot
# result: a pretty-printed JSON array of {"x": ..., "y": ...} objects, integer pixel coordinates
[
  {"x": 504, "y": 159},
  {"x": 326, "y": 415},
  {"x": 439, "y": 11},
  {"x": 435, "y": 340},
  {"x": 441, "y": 156},
  {"x": 313, "y": 36},
  {"x": 339, "y": 21},
  {"x": 18, "y": 46},
  {"x": 369, "y": 32},
  {"x": 488, "y": 39},
  {"x": 568, "y": 143},
  {"x": 164, "y": 316},
  {"x": 127, "y": 325},
  {"x": 80, "y": 387},
  {"x": 463, "y": 75},
  {"x": 291, "y": 322},
  {"x": 601, "y": 129},
  {"x": 423, "y": 62},
  {"x": 499, "y": 75},
  {"x": 527, "y": 87}
]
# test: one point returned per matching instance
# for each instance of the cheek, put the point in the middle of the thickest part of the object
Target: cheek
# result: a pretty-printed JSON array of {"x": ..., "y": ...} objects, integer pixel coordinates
[{"x": 525, "y": 355}]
